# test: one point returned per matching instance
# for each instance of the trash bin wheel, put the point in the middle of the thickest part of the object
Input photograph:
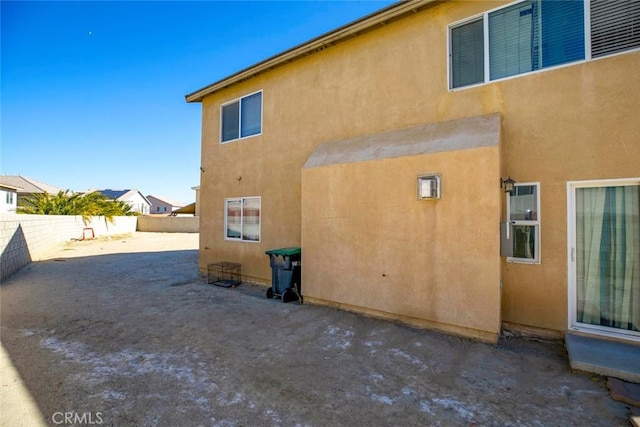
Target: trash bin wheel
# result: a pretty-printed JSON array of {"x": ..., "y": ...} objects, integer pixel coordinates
[
  {"x": 270, "y": 293},
  {"x": 289, "y": 295},
  {"x": 286, "y": 295}
]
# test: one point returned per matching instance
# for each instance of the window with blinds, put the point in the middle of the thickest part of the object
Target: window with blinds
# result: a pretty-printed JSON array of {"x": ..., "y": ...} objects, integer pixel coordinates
[
  {"x": 467, "y": 53},
  {"x": 615, "y": 26},
  {"x": 532, "y": 35}
]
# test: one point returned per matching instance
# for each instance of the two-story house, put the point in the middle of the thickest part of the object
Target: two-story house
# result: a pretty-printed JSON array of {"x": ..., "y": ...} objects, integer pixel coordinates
[{"x": 462, "y": 166}]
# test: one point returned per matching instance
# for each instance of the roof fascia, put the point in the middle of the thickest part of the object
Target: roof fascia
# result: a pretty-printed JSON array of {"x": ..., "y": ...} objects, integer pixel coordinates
[
  {"x": 340, "y": 34},
  {"x": 10, "y": 187}
]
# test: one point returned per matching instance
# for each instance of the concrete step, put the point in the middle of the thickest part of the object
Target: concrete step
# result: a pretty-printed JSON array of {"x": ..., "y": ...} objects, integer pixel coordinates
[{"x": 605, "y": 357}]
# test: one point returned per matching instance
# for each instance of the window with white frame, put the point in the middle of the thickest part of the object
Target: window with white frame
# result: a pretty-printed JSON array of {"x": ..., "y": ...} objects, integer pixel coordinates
[
  {"x": 9, "y": 198},
  {"x": 523, "y": 213},
  {"x": 241, "y": 118},
  {"x": 242, "y": 219},
  {"x": 532, "y": 35}
]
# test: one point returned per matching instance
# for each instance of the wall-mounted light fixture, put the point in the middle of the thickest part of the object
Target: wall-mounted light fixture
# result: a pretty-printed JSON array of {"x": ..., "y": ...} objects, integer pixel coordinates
[
  {"x": 429, "y": 187},
  {"x": 507, "y": 184}
]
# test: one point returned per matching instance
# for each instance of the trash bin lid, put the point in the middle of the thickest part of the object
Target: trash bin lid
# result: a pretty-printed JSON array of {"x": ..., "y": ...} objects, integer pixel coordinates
[{"x": 285, "y": 251}]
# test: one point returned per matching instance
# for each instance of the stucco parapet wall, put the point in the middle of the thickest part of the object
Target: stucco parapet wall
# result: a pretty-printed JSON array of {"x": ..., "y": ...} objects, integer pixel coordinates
[{"x": 451, "y": 135}]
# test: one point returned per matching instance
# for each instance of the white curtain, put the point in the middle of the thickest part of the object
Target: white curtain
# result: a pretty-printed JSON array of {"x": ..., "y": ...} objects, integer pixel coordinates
[{"x": 608, "y": 259}]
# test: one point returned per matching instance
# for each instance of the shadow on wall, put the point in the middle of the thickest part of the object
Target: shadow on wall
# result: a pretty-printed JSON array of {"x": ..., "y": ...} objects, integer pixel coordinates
[{"x": 15, "y": 254}]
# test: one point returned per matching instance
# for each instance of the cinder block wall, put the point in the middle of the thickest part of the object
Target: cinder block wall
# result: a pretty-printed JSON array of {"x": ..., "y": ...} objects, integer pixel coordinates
[
  {"x": 26, "y": 238},
  {"x": 169, "y": 224}
]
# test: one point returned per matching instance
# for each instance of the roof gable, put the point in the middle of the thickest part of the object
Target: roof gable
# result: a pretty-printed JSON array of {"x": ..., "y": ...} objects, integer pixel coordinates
[
  {"x": 365, "y": 24},
  {"x": 123, "y": 195},
  {"x": 28, "y": 185}
]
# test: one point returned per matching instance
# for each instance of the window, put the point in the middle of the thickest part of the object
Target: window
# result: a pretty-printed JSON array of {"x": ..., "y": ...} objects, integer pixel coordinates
[
  {"x": 524, "y": 216},
  {"x": 535, "y": 34},
  {"x": 9, "y": 198},
  {"x": 467, "y": 53},
  {"x": 242, "y": 219},
  {"x": 615, "y": 26},
  {"x": 241, "y": 118},
  {"x": 604, "y": 257}
]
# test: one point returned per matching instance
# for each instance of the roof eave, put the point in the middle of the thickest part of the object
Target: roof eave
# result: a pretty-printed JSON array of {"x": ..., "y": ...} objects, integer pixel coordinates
[{"x": 353, "y": 29}]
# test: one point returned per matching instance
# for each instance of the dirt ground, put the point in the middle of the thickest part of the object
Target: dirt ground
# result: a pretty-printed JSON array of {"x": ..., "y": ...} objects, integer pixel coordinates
[{"x": 124, "y": 332}]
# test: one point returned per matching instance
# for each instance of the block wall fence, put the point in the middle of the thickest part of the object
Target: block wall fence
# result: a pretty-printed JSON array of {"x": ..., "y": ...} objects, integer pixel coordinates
[
  {"x": 169, "y": 224},
  {"x": 26, "y": 238}
]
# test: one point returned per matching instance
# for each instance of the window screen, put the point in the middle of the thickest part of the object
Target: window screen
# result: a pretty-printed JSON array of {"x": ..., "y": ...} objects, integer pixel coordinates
[
  {"x": 230, "y": 121},
  {"x": 467, "y": 54},
  {"x": 513, "y": 40},
  {"x": 251, "y": 115}
]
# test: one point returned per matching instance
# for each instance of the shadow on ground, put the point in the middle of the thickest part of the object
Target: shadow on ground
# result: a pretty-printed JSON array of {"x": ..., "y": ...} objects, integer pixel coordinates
[{"x": 141, "y": 339}]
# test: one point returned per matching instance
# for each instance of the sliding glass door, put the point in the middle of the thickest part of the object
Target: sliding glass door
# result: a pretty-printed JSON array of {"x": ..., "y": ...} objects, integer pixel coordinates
[{"x": 604, "y": 243}]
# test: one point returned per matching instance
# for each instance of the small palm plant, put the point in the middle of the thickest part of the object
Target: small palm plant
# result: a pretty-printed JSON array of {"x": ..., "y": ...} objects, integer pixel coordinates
[{"x": 67, "y": 203}]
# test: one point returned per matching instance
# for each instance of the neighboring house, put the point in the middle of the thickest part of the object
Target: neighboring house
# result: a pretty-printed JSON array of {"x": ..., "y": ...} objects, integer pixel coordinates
[
  {"x": 384, "y": 148},
  {"x": 133, "y": 198},
  {"x": 163, "y": 205},
  {"x": 27, "y": 187},
  {"x": 8, "y": 198}
]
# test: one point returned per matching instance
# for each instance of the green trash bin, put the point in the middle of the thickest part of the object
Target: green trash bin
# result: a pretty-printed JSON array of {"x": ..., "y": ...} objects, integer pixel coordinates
[{"x": 285, "y": 274}]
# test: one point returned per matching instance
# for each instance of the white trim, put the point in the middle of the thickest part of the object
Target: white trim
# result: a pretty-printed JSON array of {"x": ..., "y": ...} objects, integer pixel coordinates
[
  {"x": 587, "y": 30},
  {"x": 485, "y": 34},
  {"x": 572, "y": 323},
  {"x": 469, "y": 20},
  {"x": 224, "y": 228},
  {"x": 239, "y": 101}
]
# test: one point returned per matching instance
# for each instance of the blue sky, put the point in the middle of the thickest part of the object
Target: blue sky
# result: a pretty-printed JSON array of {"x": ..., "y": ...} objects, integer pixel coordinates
[{"x": 92, "y": 93}]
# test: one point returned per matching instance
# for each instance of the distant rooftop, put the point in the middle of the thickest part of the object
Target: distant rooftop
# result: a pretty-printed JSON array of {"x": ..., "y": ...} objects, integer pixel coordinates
[
  {"x": 28, "y": 185},
  {"x": 113, "y": 194}
]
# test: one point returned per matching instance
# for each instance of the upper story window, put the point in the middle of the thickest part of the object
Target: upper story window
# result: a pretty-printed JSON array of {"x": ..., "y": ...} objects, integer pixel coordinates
[
  {"x": 536, "y": 34},
  {"x": 523, "y": 214},
  {"x": 241, "y": 118}
]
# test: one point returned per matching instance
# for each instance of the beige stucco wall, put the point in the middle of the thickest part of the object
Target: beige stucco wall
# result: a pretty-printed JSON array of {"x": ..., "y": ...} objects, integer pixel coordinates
[
  {"x": 169, "y": 224},
  {"x": 577, "y": 122},
  {"x": 370, "y": 244}
]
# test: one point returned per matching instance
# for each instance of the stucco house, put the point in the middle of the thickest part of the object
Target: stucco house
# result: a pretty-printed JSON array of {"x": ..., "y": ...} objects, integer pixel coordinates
[
  {"x": 138, "y": 202},
  {"x": 25, "y": 187},
  {"x": 461, "y": 166},
  {"x": 163, "y": 205},
  {"x": 8, "y": 198}
]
